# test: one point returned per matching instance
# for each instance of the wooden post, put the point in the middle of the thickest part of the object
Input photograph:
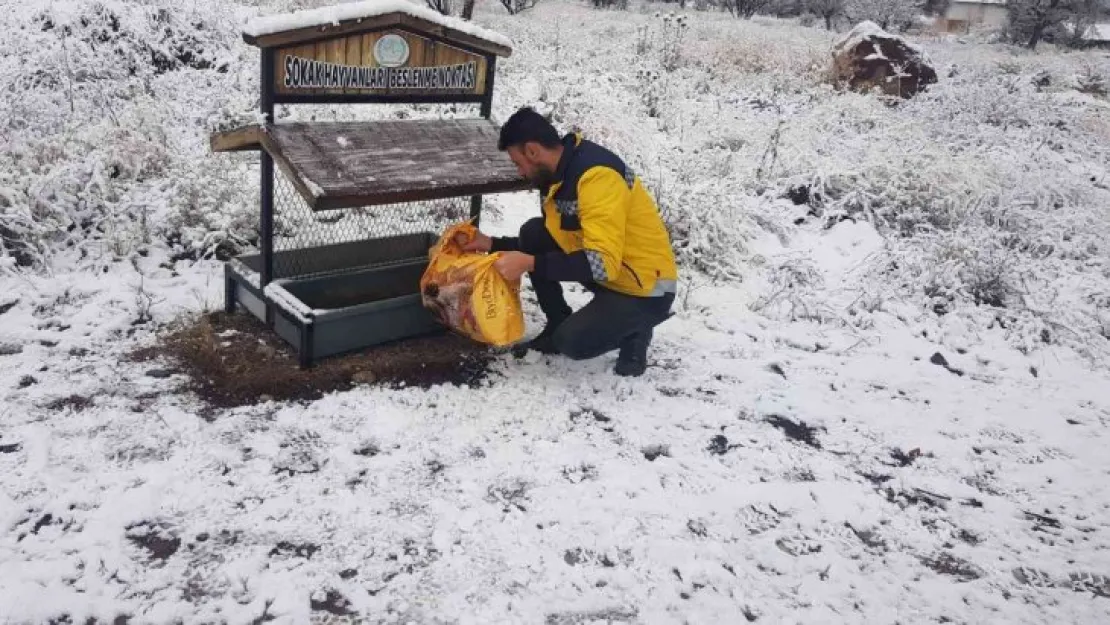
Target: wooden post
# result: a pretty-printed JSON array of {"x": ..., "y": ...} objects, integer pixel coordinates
[
  {"x": 266, "y": 222},
  {"x": 229, "y": 290},
  {"x": 487, "y": 112},
  {"x": 487, "y": 99},
  {"x": 305, "y": 353}
]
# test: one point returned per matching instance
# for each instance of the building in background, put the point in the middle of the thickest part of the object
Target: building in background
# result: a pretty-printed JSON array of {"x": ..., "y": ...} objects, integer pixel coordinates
[
  {"x": 965, "y": 15},
  {"x": 1097, "y": 36}
]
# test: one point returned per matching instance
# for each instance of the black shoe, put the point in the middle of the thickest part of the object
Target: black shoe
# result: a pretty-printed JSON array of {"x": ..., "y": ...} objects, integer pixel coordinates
[
  {"x": 632, "y": 360},
  {"x": 630, "y": 368},
  {"x": 544, "y": 342}
]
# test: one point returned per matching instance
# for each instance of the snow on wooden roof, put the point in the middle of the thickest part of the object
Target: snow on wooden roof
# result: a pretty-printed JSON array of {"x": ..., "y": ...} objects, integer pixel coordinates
[
  {"x": 298, "y": 26},
  {"x": 350, "y": 164},
  {"x": 1098, "y": 32}
]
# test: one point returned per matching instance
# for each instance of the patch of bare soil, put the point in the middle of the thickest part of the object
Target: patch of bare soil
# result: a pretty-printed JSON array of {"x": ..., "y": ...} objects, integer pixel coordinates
[{"x": 234, "y": 360}]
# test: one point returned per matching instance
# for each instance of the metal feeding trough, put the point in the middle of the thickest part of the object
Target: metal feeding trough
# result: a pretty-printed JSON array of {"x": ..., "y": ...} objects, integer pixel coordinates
[{"x": 349, "y": 216}]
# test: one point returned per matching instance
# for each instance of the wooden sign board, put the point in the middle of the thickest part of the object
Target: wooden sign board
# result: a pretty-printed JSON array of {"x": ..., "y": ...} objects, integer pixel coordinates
[{"x": 390, "y": 62}]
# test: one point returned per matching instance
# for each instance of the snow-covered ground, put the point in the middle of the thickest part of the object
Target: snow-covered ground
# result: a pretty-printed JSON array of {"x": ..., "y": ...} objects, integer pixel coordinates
[{"x": 831, "y": 429}]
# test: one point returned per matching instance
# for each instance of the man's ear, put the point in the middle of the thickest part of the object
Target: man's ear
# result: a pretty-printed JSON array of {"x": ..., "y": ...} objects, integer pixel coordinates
[{"x": 531, "y": 149}]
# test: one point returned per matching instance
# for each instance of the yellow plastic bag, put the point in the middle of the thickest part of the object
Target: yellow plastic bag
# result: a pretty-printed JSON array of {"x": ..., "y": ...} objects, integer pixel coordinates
[{"x": 466, "y": 294}]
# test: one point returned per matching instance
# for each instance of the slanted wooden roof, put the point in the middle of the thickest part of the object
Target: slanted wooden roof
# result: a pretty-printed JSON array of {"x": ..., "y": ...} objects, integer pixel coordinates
[
  {"x": 370, "y": 15},
  {"x": 349, "y": 164}
]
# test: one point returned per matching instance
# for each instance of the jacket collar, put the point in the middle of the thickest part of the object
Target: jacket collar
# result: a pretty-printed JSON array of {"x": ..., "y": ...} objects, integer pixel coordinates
[{"x": 570, "y": 145}]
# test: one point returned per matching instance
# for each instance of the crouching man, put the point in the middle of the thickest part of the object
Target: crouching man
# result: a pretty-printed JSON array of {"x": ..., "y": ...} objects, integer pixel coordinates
[{"x": 600, "y": 228}]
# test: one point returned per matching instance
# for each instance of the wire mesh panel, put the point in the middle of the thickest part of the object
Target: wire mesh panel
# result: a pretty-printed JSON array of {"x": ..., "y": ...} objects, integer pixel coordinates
[{"x": 307, "y": 242}]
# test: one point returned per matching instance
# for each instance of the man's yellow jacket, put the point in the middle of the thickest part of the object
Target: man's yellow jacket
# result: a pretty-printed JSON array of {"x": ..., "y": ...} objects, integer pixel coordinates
[{"x": 607, "y": 225}]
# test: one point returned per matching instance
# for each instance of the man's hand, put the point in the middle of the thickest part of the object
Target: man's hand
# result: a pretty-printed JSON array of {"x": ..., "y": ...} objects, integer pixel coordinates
[
  {"x": 480, "y": 242},
  {"x": 512, "y": 265}
]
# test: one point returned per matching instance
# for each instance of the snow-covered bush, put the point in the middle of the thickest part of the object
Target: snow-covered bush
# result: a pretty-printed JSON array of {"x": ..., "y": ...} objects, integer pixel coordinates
[
  {"x": 620, "y": 5},
  {"x": 793, "y": 292},
  {"x": 1091, "y": 81},
  {"x": 652, "y": 90},
  {"x": 958, "y": 175},
  {"x": 672, "y": 33},
  {"x": 101, "y": 110}
]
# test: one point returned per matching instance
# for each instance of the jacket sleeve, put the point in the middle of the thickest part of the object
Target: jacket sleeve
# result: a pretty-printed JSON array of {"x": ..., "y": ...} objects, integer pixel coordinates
[
  {"x": 504, "y": 244},
  {"x": 560, "y": 267},
  {"x": 603, "y": 198}
]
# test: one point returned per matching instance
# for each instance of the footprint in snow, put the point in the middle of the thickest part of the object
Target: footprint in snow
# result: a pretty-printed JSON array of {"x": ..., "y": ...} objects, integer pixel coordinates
[
  {"x": 759, "y": 518},
  {"x": 798, "y": 545}
]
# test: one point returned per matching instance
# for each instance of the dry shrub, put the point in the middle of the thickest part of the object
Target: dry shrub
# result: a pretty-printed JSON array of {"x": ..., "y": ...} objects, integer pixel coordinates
[{"x": 1092, "y": 82}]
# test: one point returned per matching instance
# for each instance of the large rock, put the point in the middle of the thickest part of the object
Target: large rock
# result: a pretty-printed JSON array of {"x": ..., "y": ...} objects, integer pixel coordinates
[{"x": 869, "y": 57}]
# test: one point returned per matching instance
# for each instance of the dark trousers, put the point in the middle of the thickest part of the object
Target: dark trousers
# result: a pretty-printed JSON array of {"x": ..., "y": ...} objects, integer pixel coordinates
[{"x": 610, "y": 321}]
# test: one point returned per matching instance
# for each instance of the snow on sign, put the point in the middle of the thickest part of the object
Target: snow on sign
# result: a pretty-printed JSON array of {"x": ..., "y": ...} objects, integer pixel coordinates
[{"x": 378, "y": 51}]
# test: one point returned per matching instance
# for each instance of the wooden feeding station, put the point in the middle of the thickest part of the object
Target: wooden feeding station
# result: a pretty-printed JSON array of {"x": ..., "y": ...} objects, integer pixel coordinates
[{"x": 348, "y": 217}]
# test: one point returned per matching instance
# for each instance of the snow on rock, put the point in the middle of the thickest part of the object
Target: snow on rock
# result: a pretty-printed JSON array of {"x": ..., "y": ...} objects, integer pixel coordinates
[
  {"x": 334, "y": 15},
  {"x": 864, "y": 31},
  {"x": 868, "y": 57}
]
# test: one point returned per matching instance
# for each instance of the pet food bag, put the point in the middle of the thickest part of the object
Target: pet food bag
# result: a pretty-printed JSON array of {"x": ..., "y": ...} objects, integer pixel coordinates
[{"x": 466, "y": 294}]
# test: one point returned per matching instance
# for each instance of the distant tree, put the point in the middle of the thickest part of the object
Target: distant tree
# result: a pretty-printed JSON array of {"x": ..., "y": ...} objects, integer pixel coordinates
[
  {"x": 935, "y": 7},
  {"x": 443, "y": 6},
  {"x": 745, "y": 8},
  {"x": 898, "y": 14},
  {"x": 1031, "y": 20},
  {"x": 516, "y": 6},
  {"x": 468, "y": 9},
  {"x": 786, "y": 8},
  {"x": 829, "y": 10},
  {"x": 1087, "y": 14}
]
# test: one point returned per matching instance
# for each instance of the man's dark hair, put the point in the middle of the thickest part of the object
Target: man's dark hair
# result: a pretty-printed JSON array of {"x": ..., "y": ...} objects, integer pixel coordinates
[{"x": 527, "y": 125}]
